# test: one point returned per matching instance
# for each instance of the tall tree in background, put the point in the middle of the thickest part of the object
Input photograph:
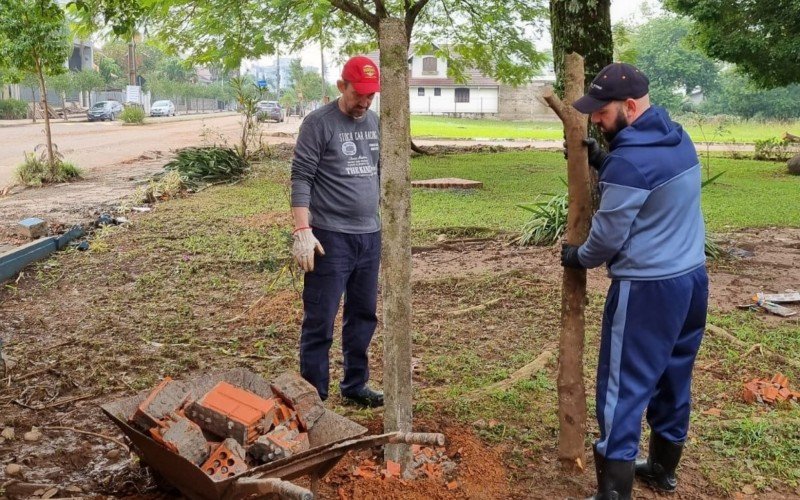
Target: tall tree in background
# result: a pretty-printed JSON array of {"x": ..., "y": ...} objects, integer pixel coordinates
[
  {"x": 662, "y": 49},
  {"x": 491, "y": 35},
  {"x": 583, "y": 28},
  {"x": 40, "y": 46},
  {"x": 760, "y": 36}
]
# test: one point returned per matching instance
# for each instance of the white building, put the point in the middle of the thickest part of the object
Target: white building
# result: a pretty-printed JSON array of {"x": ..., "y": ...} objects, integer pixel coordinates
[{"x": 431, "y": 92}]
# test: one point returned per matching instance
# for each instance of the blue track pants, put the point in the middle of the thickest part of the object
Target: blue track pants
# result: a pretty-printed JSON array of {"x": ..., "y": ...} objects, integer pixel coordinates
[{"x": 650, "y": 337}]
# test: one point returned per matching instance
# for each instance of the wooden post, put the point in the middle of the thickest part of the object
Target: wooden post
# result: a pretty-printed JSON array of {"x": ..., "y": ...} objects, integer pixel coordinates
[
  {"x": 571, "y": 390},
  {"x": 396, "y": 216}
]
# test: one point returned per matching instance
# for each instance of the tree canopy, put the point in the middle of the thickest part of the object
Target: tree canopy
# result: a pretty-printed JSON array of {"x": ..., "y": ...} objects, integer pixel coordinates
[
  {"x": 662, "y": 50},
  {"x": 760, "y": 36},
  {"x": 40, "y": 37}
]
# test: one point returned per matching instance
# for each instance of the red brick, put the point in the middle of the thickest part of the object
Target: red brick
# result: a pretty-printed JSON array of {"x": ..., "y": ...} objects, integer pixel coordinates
[{"x": 227, "y": 460}]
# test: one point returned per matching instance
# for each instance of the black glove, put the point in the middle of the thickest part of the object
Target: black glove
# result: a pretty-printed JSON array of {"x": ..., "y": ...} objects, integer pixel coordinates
[
  {"x": 569, "y": 256},
  {"x": 596, "y": 154}
]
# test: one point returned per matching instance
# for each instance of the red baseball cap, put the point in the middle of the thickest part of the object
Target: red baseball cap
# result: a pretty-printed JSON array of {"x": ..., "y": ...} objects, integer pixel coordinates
[{"x": 363, "y": 74}]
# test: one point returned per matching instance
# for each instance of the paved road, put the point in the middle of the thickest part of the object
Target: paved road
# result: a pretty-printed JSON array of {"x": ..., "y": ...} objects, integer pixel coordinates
[{"x": 105, "y": 145}]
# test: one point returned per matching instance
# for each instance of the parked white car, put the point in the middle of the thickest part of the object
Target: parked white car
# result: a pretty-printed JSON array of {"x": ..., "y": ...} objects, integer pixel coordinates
[{"x": 162, "y": 108}]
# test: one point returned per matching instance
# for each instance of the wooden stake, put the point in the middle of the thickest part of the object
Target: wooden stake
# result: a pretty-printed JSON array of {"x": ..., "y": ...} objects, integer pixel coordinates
[{"x": 571, "y": 389}]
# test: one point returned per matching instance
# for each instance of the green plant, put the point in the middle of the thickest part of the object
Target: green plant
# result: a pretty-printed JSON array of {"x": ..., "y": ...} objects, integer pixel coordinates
[
  {"x": 35, "y": 171},
  {"x": 13, "y": 109},
  {"x": 133, "y": 115},
  {"x": 208, "y": 165},
  {"x": 772, "y": 149},
  {"x": 165, "y": 187},
  {"x": 548, "y": 222}
]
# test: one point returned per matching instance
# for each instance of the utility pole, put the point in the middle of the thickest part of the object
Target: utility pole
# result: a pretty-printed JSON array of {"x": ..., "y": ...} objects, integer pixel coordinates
[
  {"x": 132, "y": 61},
  {"x": 278, "y": 74}
]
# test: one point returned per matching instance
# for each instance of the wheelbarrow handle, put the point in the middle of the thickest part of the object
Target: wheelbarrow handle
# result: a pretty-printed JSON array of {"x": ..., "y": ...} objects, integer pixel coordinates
[
  {"x": 246, "y": 486},
  {"x": 422, "y": 438}
]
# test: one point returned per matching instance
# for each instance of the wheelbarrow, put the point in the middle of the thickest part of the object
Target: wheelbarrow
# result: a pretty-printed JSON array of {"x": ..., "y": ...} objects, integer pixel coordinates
[{"x": 331, "y": 437}]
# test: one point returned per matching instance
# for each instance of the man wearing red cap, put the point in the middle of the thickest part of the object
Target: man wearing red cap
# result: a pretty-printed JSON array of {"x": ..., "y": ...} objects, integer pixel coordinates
[
  {"x": 337, "y": 239},
  {"x": 649, "y": 232}
]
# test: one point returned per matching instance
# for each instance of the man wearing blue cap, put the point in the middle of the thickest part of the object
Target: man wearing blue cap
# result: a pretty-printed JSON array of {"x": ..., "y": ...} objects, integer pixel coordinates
[{"x": 649, "y": 232}]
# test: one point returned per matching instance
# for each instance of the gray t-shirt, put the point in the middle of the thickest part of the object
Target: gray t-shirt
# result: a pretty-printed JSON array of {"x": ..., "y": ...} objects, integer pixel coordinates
[{"x": 335, "y": 170}]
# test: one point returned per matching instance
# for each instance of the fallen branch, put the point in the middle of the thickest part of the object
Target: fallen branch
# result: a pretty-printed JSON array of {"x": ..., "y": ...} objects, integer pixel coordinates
[
  {"x": 523, "y": 373},
  {"x": 479, "y": 307},
  {"x": 88, "y": 433},
  {"x": 721, "y": 333},
  {"x": 791, "y": 137}
]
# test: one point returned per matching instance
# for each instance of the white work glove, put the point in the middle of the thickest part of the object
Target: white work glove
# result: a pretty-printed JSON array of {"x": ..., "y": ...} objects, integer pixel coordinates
[{"x": 303, "y": 248}]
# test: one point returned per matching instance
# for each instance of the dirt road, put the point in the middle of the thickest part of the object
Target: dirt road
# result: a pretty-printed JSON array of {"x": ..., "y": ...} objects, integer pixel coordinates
[{"x": 104, "y": 145}]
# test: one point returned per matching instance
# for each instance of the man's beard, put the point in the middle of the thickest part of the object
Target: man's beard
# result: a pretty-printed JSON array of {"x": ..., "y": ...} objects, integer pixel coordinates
[{"x": 619, "y": 123}]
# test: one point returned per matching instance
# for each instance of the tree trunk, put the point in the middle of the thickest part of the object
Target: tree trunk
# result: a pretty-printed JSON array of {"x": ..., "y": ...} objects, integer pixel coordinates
[
  {"x": 571, "y": 391},
  {"x": 583, "y": 28},
  {"x": 395, "y": 163},
  {"x": 64, "y": 106},
  {"x": 51, "y": 159}
]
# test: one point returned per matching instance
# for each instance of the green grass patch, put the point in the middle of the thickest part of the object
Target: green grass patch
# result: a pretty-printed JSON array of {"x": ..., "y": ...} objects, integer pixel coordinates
[
  {"x": 738, "y": 131},
  {"x": 520, "y": 177}
]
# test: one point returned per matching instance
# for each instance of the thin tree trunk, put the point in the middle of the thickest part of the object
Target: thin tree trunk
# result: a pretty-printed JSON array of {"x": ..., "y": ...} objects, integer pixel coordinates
[
  {"x": 417, "y": 149},
  {"x": 51, "y": 159},
  {"x": 571, "y": 390},
  {"x": 396, "y": 214},
  {"x": 64, "y": 106}
]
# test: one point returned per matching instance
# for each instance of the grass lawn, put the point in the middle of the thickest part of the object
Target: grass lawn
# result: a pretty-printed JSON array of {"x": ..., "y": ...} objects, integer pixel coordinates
[
  {"x": 749, "y": 194},
  {"x": 464, "y": 128}
]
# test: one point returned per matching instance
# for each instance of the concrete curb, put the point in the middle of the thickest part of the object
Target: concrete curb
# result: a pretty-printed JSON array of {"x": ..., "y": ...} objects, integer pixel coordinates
[{"x": 15, "y": 260}]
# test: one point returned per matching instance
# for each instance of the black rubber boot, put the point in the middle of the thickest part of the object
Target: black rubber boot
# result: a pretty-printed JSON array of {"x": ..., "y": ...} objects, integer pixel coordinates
[
  {"x": 658, "y": 470},
  {"x": 614, "y": 478}
]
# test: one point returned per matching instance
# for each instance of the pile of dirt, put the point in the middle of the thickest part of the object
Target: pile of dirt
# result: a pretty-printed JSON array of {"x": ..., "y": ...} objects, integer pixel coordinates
[{"x": 478, "y": 473}]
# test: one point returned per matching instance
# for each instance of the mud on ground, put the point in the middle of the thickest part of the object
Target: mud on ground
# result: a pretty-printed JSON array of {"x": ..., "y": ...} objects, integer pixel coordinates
[{"x": 85, "y": 328}]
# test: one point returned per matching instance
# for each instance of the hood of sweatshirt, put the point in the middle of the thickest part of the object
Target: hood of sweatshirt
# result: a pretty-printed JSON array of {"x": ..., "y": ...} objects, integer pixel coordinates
[{"x": 653, "y": 129}]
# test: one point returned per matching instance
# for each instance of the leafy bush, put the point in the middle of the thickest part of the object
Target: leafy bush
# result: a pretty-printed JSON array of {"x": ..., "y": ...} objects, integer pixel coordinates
[
  {"x": 13, "y": 109},
  {"x": 132, "y": 115},
  {"x": 208, "y": 164},
  {"x": 35, "y": 171},
  {"x": 548, "y": 222},
  {"x": 772, "y": 149}
]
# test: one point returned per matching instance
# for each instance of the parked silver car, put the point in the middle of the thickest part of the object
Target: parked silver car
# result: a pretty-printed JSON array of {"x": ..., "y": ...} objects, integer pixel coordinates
[
  {"x": 104, "y": 110},
  {"x": 162, "y": 108},
  {"x": 269, "y": 110}
]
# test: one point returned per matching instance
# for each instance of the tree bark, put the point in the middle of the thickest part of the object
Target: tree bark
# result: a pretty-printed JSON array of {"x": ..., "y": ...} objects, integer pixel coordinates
[
  {"x": 571, "y": 390},
  {"x": 51, "y": 159},
  {"x": 395, "y": 164}
]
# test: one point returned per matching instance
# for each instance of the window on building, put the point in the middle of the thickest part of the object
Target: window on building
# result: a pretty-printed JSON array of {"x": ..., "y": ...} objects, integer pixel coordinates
[
  {"x": 437, "y": 91},
  {"x": 429, "y": 65},
  {"x": 462, "y": 95},
  {"x": 421, "y": 91}
]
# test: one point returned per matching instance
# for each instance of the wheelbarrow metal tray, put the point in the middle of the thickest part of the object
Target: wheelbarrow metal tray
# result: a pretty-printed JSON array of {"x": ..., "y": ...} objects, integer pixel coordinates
[{"x": 328, "y": 431}]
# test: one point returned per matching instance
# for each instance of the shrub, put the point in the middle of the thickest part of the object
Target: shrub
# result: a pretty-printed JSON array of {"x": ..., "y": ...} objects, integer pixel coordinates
[
  {"x": 35, "y": 171},
  {"x": 548, "y": 222},
  {"x": 13, "y": 109},
  {"x": 207, "y": 165},
  {"x": 772, "y": 149},
  {"x": 132, "y": 115}
]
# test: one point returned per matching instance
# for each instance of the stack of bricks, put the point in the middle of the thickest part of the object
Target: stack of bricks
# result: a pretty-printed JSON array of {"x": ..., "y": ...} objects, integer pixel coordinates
[
  {"x": 769, "y": 391},
  {"x": 228, "y": 429}
]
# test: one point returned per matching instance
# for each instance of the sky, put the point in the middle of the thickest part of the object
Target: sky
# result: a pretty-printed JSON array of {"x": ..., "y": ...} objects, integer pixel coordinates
[{"x": 621, "y": 10}]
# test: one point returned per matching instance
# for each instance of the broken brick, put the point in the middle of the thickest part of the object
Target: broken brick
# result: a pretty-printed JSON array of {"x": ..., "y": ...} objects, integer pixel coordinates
[
  {"x": 781, "y": 380},
  {"x": 168, "y": 397},
  {"x": 300, "y": 396},
  {"x": 281, "y": 442},
  {"x": 227, "y": 460},
  {"x": 392, "y": 469},
  {"x": 452, "y": 485},
  {"x": 182, "y": 436}
]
